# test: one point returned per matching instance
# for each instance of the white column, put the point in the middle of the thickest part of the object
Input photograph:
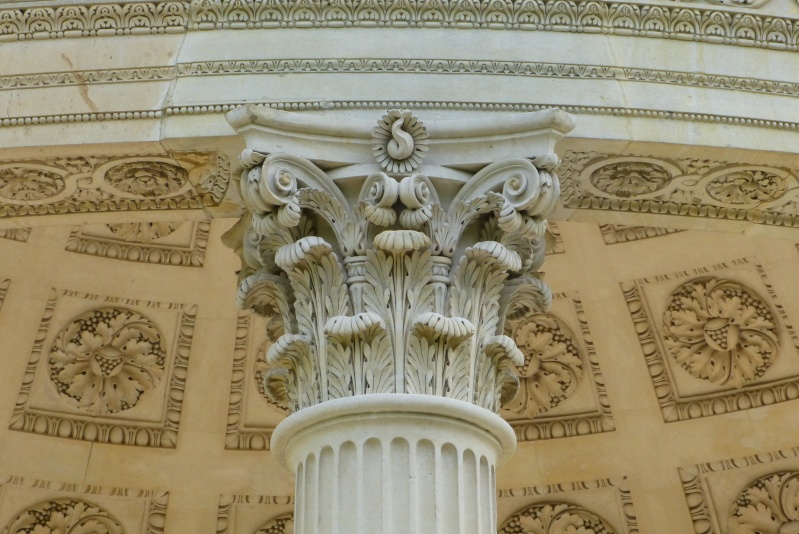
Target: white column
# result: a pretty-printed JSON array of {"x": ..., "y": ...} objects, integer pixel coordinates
[
  {"x": 393, "y": 357},
  {"x": 394, "y": 464}
]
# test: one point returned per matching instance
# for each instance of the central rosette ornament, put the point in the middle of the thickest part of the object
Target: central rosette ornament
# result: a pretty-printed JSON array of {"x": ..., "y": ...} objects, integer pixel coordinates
[{"x": 393, "y": 292}]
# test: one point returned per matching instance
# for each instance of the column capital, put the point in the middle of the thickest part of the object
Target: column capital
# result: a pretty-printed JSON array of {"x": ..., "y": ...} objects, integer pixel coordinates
[{"x": 390, "y": 265}]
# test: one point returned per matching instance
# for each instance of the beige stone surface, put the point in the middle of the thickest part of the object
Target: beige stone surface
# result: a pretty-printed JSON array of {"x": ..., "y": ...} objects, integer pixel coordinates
[
  {"x": 645, "y": 459},
  {"x": 636, "y": 442}
]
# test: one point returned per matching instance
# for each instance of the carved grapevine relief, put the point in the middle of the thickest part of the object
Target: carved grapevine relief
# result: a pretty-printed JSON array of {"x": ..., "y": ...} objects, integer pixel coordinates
[
  {"x": 720, "y": 331},
  {"x": 399, "y": 141},
  {"x": 282, "y": 524},
  {"x": 770, "y": 505},
  {"x": 552, "y": 365},
  {"x": 64, "y": 516},
  {"x": 555, "y": 518},
  {"x": 630, "y": 178},
  {"x": 29, "y": 183},
  {"x": 150, "y": 179},
  {"x": 747, "y": 187},
  {"x": 105, "y": 359}
]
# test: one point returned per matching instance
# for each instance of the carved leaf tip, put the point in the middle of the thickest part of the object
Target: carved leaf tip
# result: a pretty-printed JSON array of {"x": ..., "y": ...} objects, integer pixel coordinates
[
  {"x": 497, "y": 347},
  {"x": 455, "y": 330},
  {"x": 504, "y": 258},
  {"x": 287, "y": 346},
  {"x": 344, "y": 328},
  {"x": 400, "y": 241},
  {"x": 304, "y": 250}
]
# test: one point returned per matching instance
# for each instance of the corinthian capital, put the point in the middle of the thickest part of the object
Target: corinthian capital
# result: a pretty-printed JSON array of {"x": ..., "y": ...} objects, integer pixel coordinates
[{"x": 391, "y": 268}]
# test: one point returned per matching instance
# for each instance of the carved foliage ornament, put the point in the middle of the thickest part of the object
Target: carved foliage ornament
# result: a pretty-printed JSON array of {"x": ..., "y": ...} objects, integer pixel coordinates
[
  {"x": 29, "y": 183},
  {"x": 720, "y": 331},
  {"x": 552, "y": 365},
  {"x": 387, "y": 307},
  {"x": 148, "y": 179},
  {"x": 770, "y": 505},
  {"x": 105, "y": 359},
  {"x": 555, "y": 518},
  {"x": 64, "y": 516},
  {"x": 747, "y": 187},
  {"x": 630, "y": 178}
]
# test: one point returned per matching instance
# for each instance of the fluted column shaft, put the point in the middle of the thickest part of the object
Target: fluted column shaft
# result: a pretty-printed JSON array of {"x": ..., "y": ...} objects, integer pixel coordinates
[{"x": 394, "y": 464}]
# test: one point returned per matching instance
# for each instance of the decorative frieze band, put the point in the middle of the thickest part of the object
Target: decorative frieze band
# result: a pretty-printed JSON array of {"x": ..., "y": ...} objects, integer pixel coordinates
[
  {"x": 762, "y": 194},
  {"x": 398, "y": 66},
  {"x": 96, "y": 184},
  {"x": 741, "y": 28}
]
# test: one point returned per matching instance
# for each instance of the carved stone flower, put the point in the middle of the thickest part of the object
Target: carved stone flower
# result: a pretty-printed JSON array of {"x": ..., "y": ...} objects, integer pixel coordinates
[
  {"x": 555, "y": 518},
  {"x": 24, "y": 184},
  {"x": 63, "y": 516},
  {"x": 399, "y": 141},
  {"x": 770, "y": 505},
  {"x": 746, "y": 187},
  {"x": 105, "y": 359},
  {"x": 149, "y": 179},
  {"x": 720, "y": 331},
  {"x": 628, "y": 179},
  {"x": 552, "y": 365}
]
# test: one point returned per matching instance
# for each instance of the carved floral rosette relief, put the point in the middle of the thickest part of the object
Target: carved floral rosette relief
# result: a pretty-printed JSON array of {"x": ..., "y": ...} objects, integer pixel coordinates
[
  {"x": 703, "y": 188},
  {"x": 64, "y": 516},
  {"x": 107, "y": 369},
  {"x": 388, "y": 306},
  {"x": 756, "y": 494},
  {"x": 770, "y": 504},
  {"x": 88, "y": 184},
  {"x": 552, "y": 365},
  {"x": 35, "y": 506},
  {"x": 720, "y": 331},
  {"x": 585, "y": 507},
  {"x": 562, "y": 391},
  {"x": 554, "y": 518},
  {"x": 105, "y": 359},
  {"x": 715, "y": 340}
]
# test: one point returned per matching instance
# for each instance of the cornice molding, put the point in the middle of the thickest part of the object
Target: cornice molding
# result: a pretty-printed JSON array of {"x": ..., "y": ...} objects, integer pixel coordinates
[
  {"x": 734, "y": 26},
  {"x": 482, "y": 67},
  {"x": 222, "y": 108}
]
